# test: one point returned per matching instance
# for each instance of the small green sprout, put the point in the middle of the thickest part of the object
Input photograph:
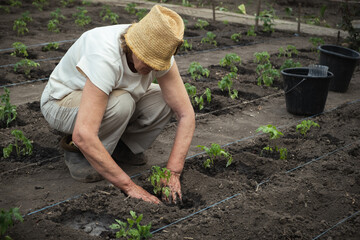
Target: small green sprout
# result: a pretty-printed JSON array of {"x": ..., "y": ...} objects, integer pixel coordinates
[
  {"x": 81, "y": 19},
  {"x": 186, "y": 3},
  {"x": 267, "y": 17},
  {"x": 27, "y": 65},
  {"x": 20, "y": 24},
  {"x": 213, "y": 153},
  {"x": 197, "y": 71},
  {"x": 289, "y": 63},
  {"x": 107, "y": 14},
  {"x": 157, "y": 176},
  {"x": 15, "y": 3},
  {"x": 197, "y": 100},
  {"x": 53, "y": 25},
  {"x": 186, "y": 45},
  {"x": 227, "y": 82},
  {"x": 305, "y": 126},
  {"x": 67, "y": 3},
  {"x": 20, "y": 49},
  {"x": 289, "y": 11},
  {"x": 262, "y": 57},
  {"x": 288, "y": 51},
  {"x": 130, "y": 8},
  {"x": 209, "y": 38},
  {"x": 7, "y": 219},
  {"x": 6, "y": 9},
  {"x": 132, "y": 229},
  {"x": 22, "y": 144},
  {"x": 141, "y": 13},
  {"x": 251, "y": 32},
  {"x": 273, "y": 134},
  {"x": 8, "y": 111},
  {"x": 265, "y": 70},
  {"x": 50, "y": 46},
  {"x": 230, "y": 60},
  {"x": 201, "y": 24},
  {"x": 236, "y": 37},
  {"x": 316, "y": 41},
  {"x": 57, "y": 15},
  {"x": 40, "y": 4}
]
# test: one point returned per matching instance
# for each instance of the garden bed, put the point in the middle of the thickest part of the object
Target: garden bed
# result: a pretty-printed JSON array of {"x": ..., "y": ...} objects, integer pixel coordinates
[{"x": 258, "y": 196}]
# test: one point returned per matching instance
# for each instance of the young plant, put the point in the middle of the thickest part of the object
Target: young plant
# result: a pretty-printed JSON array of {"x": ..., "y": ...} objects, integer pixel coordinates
[
  {"x": 22, "y": 144},
  {"x": 40, "y": 4},
  {"x": 210, "y": 38},
  {"x": 230, "y": 60},
  {"x": 214, "y": 152},
  {"x": 57, "y": 14},
  {"x": 81, "y": 19},
  {"x": 141, "y": 13},
  {"x": 53, "y": 25},
  {"x": 20, "y": 24},
  {"x": 107, "y": 14},
  {"x": 201, "y": 24},
  {"x": 267, "y": 17},
  {"x": 305, "y": 126},
  {"x": 157, "y": 177},
  {"x": 242, "y": 9},
  {"x": 15, "y": 3},
  {"x": 130, "y": 8},
  {"x": 289, "y": 51},
  {"x": 289, "y": 63},
  {"x": 316, "y": 41},
  {"x": 132, "y": 229},
  {"x": 27, "y": 65},
  {"x": 8, "y": 111},
  {"x": 264, "y": 69},
  {"x": 273, "y": 134},
  {"x": 197, "y": 100},
  {"x": 186, "y": 3},
  {"x": 67, "y": 3},
  {"x": 251, "y": 32},
  {"x": 186, "y": 46},
  {"x": 50, "y": 46},
  {"x": 197, "y": 71},
  {"x": 236, "y": 37},
  {"x": 227, "y": 82},
  {"x": 20, "y": 49},
  {"x": 6, "y": 9},
  {"x": 7, "y": 219},
  {"x": 262, "y": 57}
]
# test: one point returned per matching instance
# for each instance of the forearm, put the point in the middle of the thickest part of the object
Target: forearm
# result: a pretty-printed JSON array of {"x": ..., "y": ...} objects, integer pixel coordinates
[{"x": 183, "y": 138}]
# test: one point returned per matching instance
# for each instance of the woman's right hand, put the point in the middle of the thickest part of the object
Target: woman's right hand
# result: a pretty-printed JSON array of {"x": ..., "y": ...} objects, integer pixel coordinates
[{"x": 136, "y": 191}]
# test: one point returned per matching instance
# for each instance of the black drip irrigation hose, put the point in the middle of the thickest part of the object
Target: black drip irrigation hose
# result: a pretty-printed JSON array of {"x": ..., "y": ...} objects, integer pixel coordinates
[
  {"x": 39, "y": 44},
  {"x": 38, "y": 60}
]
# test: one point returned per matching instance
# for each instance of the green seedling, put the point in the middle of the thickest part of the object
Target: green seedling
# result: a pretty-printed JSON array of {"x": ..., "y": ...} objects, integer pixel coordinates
[
  {"x": 57, "y": 15},
  {"x": 264, "y": 69},
  {"x": 316, "y": 41},
  {"x": 27, "y": 65},
  {"x": 81, "y": 19},
  {"x": 186, "y": 46},
  {"x": 20, "y": 50},
  {"x": 267, "y": 17},
  {"x": 50, "y": 46},
  {"x": 141, "y": 13},
  {"x": 214, "y": 152},
  {"x": 289, "y": 51},
  {"x": 262, "y": 57},
  {"x": 251, "y": 32},
  {"x": 20, "y": 24},
  {"x": 242, "y": 9},
  {"x": 197, "y": 71},
  {"x": 67, "y": 3},
  {"x": 221, "y": 8},
  {"x": 230, "y": 60},
  {"x": 305, "y": 126},
  {"x": 40, "y": 4},
  {"x": 87, "y": 3},
  {"x": 289, "y": 11},
  {"x": 158, "y": 175},
  {"x": 209, "y": 38},
  {"x": 15, "y": 3},
  {"x": 132, "y": 228},
  {"x": 7, "y": 220},
  {"x": 197, "y": 100},
  {"x": 8, "y": 111},
  {"x": 22, "y": 144},
  {"x": 312, "y": 20},
  {"x": 273, "y": 134},
  {"x": 130, "y": 8},
  {"x": 107, "y": 14},
  {"x": 226, "y": 22},
  {"x": 6, "y": 9},
  {"x": 289, "y": 63},
  {"x": 186, "y": 22},
  {"x": 227, "y": 82},
  {"x": 53, "y": 25},
  {"x": 186, "y": 3},
  {"x": 236, "y": 37},
  {"x": 201, "y": 24}
]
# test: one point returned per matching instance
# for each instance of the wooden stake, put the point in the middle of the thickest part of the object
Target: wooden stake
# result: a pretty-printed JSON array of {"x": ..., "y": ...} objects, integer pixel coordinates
[
  {"x": 213, "y": 8},
  {"x": 299, "y": 19},
  {"x": 257, "y": 14}
]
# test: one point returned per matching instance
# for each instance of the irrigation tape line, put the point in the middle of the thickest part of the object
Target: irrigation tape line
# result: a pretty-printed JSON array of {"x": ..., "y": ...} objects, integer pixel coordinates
[
  {"x": 228, "y": 198},
  {"x": 22, "y": 83},
  {"x": 243, "y": 139},
  {"x": 39, "y": 60},
  {"x": 337, "y": 224},
  {"x": 39, "y": 44}
]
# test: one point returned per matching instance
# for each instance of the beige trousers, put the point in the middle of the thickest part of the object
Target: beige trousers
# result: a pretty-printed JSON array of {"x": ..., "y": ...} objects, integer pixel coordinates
[{"x": 136, "y": 123}]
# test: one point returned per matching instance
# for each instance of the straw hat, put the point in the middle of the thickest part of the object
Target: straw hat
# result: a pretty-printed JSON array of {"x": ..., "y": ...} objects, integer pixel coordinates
[{"x": 156, "y": 37}]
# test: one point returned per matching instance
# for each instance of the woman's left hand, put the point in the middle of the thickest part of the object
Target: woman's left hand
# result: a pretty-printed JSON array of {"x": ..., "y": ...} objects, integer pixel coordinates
[{"x": 174, "y": 186}]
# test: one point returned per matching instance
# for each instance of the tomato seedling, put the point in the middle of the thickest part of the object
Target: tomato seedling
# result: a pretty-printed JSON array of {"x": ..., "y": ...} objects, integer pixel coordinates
[
  {"x": 227, "y": 82},
  {"x": 214, "y": 152},
  {"x": 305, "y": 126},
  {"x": 22, "y": 144},
  {"x": 157, "y": 177},
  {"x": 273, "y": 133},
  {"x": 20, "y": 50},
  {"x": 7, "y": 219},
  {"x": 230, "y": 60},
  {"x": 8, "y": 111},
  {"x": 197, "y": 71}
]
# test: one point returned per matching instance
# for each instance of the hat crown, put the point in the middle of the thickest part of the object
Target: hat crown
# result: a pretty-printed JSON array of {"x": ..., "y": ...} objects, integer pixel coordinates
[{"x": 156, "y": 37}]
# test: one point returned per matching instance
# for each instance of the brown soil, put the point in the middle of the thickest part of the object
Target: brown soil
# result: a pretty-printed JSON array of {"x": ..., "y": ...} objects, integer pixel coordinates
[{"x": 257, "y": 197}]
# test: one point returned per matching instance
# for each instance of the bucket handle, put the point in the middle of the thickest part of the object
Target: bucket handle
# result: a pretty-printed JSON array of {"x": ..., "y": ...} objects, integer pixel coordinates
[{"x": 287, "y": 91}]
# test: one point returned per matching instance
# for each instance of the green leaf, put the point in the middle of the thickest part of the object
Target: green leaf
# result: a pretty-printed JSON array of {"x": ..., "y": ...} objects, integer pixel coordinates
[{"x": 242, "y": 8}]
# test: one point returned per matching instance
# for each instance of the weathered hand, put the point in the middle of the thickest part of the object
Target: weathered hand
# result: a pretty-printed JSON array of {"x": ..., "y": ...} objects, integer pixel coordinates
[
  {"x": 136, "y": 191},
  {"x": 175, "y": 195}
]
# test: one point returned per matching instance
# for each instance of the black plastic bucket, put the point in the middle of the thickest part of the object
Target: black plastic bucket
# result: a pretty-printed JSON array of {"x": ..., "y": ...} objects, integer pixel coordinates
[
  {"x": 305, "y": 95},
  {"x": 341, "y": 62}
]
